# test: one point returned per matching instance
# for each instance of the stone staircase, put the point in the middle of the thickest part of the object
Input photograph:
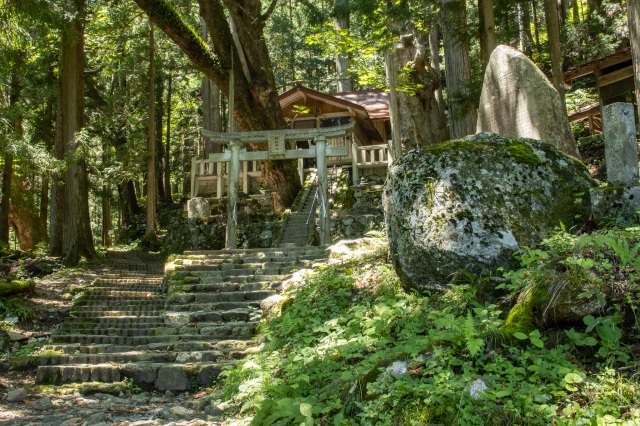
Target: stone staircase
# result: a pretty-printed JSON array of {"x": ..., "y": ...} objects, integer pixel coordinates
[
  {"x": 173, "y": 334},
  {"x": 296, "y": 231}
]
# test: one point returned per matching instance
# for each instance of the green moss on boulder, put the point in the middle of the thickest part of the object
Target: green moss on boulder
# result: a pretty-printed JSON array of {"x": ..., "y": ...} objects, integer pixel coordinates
[
  {"x": 470, "y": 204},
  {"x": 554, "y": 299}
]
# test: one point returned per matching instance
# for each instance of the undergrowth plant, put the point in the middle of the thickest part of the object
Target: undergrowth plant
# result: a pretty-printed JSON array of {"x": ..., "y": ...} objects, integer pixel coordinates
[{"x": 353, "y": 348}]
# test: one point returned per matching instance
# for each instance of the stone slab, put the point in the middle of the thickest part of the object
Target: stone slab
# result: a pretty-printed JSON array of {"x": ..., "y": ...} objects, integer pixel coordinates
[
  {"x": 620, "y": 146},
  {"x": 615, "y": 203},
  {"x": 519, "y": 101}
]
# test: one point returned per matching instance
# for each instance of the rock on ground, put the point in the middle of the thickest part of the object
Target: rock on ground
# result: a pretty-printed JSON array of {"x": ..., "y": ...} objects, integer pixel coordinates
[{"x": 468, "y": 205}]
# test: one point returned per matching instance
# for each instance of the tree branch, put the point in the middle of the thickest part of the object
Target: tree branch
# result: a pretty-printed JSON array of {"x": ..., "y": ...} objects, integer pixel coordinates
[
  {"x": 269, "y": 11},
  {"x": 167, "y": 18}
]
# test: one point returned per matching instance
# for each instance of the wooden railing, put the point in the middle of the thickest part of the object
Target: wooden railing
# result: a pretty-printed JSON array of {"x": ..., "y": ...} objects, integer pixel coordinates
[
  {"x": 207, "y": 172},
  {"x": 204, "y": 172},
  {"x": 367, "y": 157}
]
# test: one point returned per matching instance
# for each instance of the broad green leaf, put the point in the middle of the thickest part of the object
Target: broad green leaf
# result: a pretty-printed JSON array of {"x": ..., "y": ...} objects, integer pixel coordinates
[
  {"x": 573, "y": 378},
  {"x": 306, "y": 409},
  {"x": 537, "y": 342},
  {"x": 503, "y": 393},
  {"x": 520, "y": 335}
]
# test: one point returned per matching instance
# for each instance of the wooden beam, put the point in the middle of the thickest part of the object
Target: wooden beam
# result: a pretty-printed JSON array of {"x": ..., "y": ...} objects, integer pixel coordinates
[
  {"x": 615, "y": 76},
  {"x": 289, "y": 134},
  {"x": 290, "y": 154}
]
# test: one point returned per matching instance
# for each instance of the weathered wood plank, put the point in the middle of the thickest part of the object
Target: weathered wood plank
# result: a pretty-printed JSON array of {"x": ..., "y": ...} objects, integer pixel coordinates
[{"x": 289, "y": 134}]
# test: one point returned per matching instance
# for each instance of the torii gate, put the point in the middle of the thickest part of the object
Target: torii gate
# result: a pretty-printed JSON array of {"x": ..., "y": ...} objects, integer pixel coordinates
[{"x": 276, "y": 140}]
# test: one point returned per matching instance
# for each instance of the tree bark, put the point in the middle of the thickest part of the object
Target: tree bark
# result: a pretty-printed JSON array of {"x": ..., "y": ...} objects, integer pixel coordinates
[
  {"x": 7, "y": 169},
  {"x": 56, "y": 209},
  {"x": 434, "y": 53},
  {"x": 210, "y": 104},
  {"x": 167, "y": 150},
  {"x": 77, "y": 239},
  {"x": 256, "y": 98},
  {"x": 553, "y": 33},
  {"x": 633, "y": 15},
  {"x": 524, "y": 30},
  {"x": 24, "y": 218},
  {"x": 159, "y": 111},
  {"x": 342, "y": 61},
  {"x": 462, "y": 121},
  {"x": 536, "y": 28},
  {"x": 416, "y": 117},
  {"x": 487, "y": 29},
  {"x": 150, "y": 233}
]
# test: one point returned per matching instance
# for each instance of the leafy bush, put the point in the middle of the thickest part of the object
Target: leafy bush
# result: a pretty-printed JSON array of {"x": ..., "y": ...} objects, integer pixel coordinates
[{"x": 352, "y": 348}]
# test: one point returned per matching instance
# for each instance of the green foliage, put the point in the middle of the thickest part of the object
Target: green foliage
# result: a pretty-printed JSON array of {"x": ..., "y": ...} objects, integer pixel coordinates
[
  {"x": 350, "y": 350},
  {"x": 15, "y": 307},
  {"x": 23, "y": 359}
]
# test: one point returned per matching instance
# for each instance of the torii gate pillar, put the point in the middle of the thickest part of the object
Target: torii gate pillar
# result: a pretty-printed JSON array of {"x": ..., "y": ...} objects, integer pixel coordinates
[
  {"x": 232, "y": 196},
  {"x": 323, "y": 193}
]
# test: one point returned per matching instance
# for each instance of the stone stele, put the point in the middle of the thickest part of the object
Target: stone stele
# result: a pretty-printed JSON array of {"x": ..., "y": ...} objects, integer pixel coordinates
[
  {"x": 198, "y": 208},
  {"x": 518, "y": 101}
]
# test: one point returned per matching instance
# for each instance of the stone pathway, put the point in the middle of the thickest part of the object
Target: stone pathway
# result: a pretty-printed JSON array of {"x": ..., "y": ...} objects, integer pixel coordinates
[
  {"x": 170, "y": 337},
  {"x": 296, "y": 230}
]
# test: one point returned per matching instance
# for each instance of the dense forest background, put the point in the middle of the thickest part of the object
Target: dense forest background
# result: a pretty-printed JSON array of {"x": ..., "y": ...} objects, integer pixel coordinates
[{"x": 101, "y": 102}]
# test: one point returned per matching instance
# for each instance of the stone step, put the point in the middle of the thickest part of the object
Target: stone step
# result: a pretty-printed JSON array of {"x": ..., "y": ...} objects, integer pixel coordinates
[
  {"x": 239, "y": 253},
  {"x": 110, "y": 331},
  {"x": 120, "y": 326},
  {"x": 116, "y": 357},
  {"x": 80, "y": 373},
  {"x": 121, "y": 292},
  {"x": 225, "y": 287},
  {"x": 120, "y": 321},
  {"x": 233, "y": 296},
  {"x": 246, "y": 279},
  {"x": 90, "y": 313},
  {"x": 121, "y": 303},
  {"x": 193, "y": 345},
  {"x": 182, "y": 318},
  {"x": 214, "y": 306},
  {"x": 111, "y": 340}
]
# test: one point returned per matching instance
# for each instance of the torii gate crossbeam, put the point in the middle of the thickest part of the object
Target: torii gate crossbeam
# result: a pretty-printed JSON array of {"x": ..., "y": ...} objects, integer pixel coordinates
[{"x": 277, "y": 151}]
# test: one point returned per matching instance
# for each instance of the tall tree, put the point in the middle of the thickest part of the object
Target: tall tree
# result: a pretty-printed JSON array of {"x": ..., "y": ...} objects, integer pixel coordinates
[
  {"x": 633, "y": 16},
  {"x": 152, "y": 184},
  {"x": 7, "y": 169},
  {"x": 462, "y": 121},
  {"x": 487, "y": 30},
  {"x": 77, "y": 238},
  {"x": 553, "y": 34},
  {"x": 256, "y": 97},
  {"x": 341, "y": 8},
  {"x": 167, "y": 150}
]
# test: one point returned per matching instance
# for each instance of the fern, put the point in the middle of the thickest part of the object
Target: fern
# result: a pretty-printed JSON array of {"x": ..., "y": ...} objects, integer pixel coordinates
[{"x": 473, "y": 343}]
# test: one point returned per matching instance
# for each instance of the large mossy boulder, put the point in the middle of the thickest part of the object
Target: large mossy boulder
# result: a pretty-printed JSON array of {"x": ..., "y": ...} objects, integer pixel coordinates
[{"x": 469, "y": 204}]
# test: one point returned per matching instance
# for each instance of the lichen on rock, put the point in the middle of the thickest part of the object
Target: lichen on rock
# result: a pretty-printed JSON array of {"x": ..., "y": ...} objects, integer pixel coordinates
[{"x": 470, "y": 204}]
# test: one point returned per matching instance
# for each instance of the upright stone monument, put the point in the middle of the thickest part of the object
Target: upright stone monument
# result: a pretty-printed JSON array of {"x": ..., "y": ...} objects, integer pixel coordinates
[
  {"x": 519, "y": 101},
  {"x": 620, "y": 147},
  {"x": 198, "y": 208},
  {"x": 621, "y": 199}
]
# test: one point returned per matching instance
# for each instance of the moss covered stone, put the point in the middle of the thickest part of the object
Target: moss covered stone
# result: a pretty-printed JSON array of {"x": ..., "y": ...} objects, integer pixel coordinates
[
  {"x": 554, "y": 299},
  {"x": 9, "y": 288},
  {"x": 469, "y": 204}
]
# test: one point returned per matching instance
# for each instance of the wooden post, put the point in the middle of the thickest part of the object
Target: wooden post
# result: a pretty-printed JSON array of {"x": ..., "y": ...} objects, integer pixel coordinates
[
  {"x": 193, "y": 177},
  {"x": 245, "y": 177},
  {"x": 354, "y": 163},
  {"x": 301, "y": 170},
  {"x": 323, "y": 191},
  {"x": 232, "y": 195},
  {"x": 219, "y": 179}
]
